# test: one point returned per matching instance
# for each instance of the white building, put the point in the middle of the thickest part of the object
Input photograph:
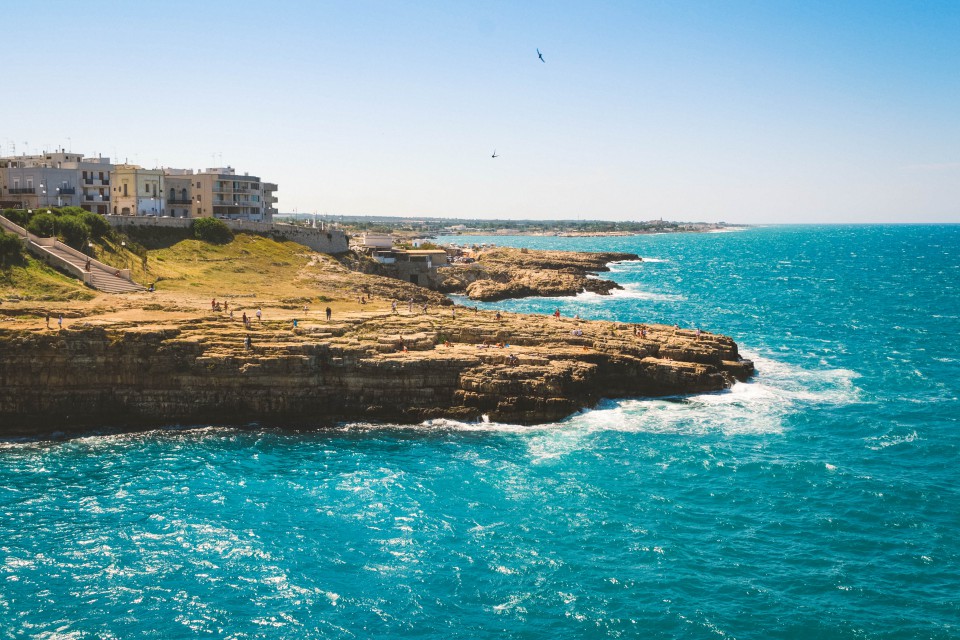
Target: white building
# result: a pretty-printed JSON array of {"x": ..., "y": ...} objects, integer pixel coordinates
[{"x": 58, "y": 179}]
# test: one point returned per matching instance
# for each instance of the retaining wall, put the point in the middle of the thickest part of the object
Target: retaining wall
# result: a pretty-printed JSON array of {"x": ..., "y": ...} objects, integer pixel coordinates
[
  {"x": 76, "y": 265},
  {"x": 325, "y": 239}
]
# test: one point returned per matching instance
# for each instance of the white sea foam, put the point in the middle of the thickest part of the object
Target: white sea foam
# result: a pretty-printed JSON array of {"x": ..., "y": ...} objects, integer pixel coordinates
[
  {"x": 630, "y": 291},
  {"x": 624, "y": 266},
  {"x": 758, "y": 407}
]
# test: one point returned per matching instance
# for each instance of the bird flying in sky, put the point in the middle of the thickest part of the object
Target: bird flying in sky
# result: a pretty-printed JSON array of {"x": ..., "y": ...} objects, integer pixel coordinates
[
  {"x": 540, "y": 55},
  {"x": 494, "y": 154}
]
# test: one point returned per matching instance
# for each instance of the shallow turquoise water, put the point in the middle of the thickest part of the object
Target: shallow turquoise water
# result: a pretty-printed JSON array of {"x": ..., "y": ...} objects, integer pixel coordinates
[{"x": 819, "y": 500}]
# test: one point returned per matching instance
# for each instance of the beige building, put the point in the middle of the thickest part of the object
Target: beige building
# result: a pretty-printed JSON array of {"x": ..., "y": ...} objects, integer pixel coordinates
[
  {"x": 64, "y": 179},
  {"x": 137, "y": 191},
  {"x": 221, "y": 193}
]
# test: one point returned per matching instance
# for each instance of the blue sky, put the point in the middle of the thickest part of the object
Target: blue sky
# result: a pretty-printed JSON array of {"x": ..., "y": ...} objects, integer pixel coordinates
[{"x": 752, "y": 112}]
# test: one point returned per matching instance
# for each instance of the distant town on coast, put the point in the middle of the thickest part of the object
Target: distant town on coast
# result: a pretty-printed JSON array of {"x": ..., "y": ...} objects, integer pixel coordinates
[{"x": 66, "y": 179}]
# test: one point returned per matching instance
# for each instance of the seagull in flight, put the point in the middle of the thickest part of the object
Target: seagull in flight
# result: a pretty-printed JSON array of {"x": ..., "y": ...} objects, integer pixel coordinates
[
  {"x": 494, "y": 154},
  {"x": 540, "y": 55}
]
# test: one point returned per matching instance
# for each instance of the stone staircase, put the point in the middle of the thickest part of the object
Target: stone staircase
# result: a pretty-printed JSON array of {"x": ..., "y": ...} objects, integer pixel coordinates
[
  {"x": 94, "y": 274},
  {"x": 110, "y": 283}
]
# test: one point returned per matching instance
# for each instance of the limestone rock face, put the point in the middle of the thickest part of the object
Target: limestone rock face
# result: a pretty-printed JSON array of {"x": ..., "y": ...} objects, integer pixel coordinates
[
  {"x": 383, "y": 367},
  {"x": 503, "y": 273}
]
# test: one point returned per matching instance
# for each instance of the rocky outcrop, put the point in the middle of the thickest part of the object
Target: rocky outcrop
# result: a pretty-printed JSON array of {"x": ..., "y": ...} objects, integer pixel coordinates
[
  {"x": 504, "y": 273},
  {"x": 398, "y": 368}
]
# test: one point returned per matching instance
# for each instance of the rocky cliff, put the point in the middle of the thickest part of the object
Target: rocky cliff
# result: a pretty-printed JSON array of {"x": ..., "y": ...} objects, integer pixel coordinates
[
  {"x": 374, "y": 366},
  {"x": 503, "y": 273}
]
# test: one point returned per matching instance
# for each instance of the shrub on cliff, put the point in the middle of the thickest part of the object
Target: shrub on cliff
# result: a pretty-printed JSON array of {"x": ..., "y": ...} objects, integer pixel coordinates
[
  {"x": 43, "y": 225},
  {"x": 211, "y": 230},
  {"x": 95, "y": 223},
  {"x": 11, "y": 250},
  {"x": 73, "y": 231},
  {"x": 16, "y": 216}
]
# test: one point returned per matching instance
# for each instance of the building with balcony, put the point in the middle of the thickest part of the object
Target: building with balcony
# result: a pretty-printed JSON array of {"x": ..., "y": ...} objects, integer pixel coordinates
[
  {"x": 58, "y": 179},
  {"x": 221, "y": 193},
  {"x": 269, "y": 200},
  {"x": 64, "y": 179}
]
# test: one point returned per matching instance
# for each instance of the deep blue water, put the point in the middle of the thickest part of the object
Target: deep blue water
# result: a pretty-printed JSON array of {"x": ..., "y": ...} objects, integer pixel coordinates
[{"x": 819, "y": 500}]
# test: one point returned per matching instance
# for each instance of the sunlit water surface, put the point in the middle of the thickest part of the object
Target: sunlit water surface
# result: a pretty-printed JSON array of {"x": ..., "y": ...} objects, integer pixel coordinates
[{"x": 818, "y": 500}]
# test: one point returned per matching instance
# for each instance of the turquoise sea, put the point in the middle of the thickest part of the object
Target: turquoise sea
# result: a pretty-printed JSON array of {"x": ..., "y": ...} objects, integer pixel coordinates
[{"x": 819, "y": 500}]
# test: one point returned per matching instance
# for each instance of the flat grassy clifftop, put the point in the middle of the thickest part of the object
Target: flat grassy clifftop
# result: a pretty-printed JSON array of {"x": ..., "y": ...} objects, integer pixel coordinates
[{"x": 248, "y": 272}]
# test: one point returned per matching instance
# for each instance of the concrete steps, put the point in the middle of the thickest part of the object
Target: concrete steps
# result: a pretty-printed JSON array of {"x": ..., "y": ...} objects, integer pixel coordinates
[{"x": 108, "y": 283}]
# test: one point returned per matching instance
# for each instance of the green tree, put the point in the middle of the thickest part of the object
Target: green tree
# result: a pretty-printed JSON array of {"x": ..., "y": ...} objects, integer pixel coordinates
[
  {"x": 211, "y": 230},
  {"x": 17, "y": 216},
  {"x": 43, "y": 225},
  {"x": 73, "y": 232},
  {"x": 96, "y": 224}
]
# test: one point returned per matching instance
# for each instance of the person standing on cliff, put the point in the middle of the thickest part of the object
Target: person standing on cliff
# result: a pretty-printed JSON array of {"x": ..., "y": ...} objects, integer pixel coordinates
[
  {"x": 556, "y": 314},
  {"x": 259, "y": 315},
  {"x": 48, "y": 319},
  {"x": 60, "y": 322},
  {"x": 393, "y": 305},
  {"x": 328, "y": 314}
]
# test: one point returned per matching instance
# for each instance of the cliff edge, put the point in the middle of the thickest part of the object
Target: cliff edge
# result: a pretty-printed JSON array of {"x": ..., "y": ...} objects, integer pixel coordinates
[{"x": 382, "y": 366}]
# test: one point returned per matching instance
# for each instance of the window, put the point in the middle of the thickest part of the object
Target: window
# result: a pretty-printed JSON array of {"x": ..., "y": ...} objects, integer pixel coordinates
[{"x": 125, "y": 189}]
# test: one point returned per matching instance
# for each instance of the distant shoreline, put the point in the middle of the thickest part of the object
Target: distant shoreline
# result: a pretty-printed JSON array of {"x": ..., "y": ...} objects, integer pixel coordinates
[{"x": 595, "y": 234}]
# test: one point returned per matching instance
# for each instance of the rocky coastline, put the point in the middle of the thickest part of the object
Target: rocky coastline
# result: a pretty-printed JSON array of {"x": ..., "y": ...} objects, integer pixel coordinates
[
  {"x": 502, "y": 273},
  {"x": 337, "y": 343},
  {"x": 401, "y": 367}
]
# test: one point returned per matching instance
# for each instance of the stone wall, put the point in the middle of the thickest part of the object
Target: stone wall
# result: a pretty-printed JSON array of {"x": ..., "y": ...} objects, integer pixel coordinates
[{"x": 326, "y": 239}]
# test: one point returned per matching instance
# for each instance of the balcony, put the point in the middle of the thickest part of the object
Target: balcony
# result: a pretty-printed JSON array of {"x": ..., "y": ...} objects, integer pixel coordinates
[
  {"x": 67, "y": 191},
  {"x": 16, "y": 191},
  {"x": 179, "y": 201}
]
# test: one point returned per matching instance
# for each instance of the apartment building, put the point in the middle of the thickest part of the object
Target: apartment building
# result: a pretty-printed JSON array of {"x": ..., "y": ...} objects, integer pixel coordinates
[
  {"x": 65, "y": 179},
  {"x": 269, "y": 200},
  {"x": 220, "y": 192},
  {"x": 58, "y": 179}
]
